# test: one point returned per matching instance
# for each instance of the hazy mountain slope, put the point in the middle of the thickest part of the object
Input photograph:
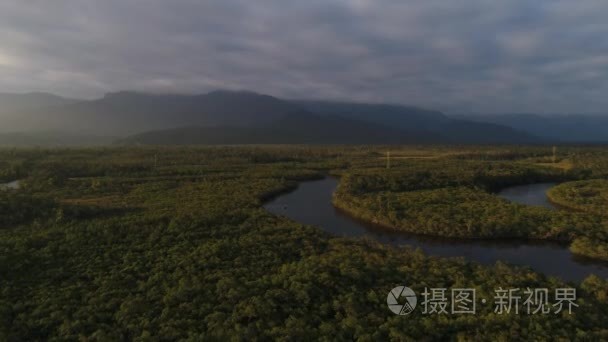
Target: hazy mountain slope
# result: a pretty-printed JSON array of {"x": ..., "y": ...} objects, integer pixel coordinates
[
  {"x": 244, "y": 117},
  {"x": 413, "y": 118},
  {"x": 469, "y": 132},
  {"x": 302, "y": 128},
  {"x": 12, "y": 103},
  {"x": 129, "y": 112},
  {"x": 52, "y": 139},
  {"x": 566, "y": 128},
  {"x": 391, "y": 115}
]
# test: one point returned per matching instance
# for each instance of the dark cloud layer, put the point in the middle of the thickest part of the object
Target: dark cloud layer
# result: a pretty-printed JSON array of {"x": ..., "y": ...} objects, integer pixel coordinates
[{"x": 477, "y": 55}]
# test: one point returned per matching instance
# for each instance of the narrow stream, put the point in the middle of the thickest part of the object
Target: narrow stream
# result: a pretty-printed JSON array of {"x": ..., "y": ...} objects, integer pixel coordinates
[{"x": 311, "y": 204}]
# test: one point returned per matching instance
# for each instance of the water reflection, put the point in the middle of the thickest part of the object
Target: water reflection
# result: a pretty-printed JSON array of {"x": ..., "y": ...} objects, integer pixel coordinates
[
  {"x": 532, "y": 194},
  {"x": 311, "y": 204}
]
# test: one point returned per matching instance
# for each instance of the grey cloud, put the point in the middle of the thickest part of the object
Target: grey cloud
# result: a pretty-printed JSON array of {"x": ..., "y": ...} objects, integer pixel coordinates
[{"x": 483, "y": 56}]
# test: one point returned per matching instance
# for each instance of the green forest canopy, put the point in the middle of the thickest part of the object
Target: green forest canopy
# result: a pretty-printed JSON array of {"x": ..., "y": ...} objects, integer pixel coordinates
[{"x": 164, "y": 243}]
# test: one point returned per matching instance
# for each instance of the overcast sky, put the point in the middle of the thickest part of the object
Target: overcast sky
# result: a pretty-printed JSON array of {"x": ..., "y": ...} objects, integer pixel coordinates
[{"x": 471, "y": 55}]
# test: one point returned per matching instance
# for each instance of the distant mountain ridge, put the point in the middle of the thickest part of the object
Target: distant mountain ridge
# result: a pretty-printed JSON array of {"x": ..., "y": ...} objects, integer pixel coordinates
[
  {"x": 226, "y": 117},
  {"x": 48, "y": 138},
  {"x": 290, "y": 130},
  {"x": 124, "y": 113},
  {"x": 13, "y": 103},
  {"x": 451, "y": 130},
  {"x": 389, "y": 114},
  {"x": 573, "y": 128}
]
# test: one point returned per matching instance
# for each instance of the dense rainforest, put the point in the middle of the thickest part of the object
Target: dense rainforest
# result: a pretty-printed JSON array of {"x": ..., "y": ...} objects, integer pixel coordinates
[
  {"x": 172, "y": 243},
  {"x": 587, "y": 195},
  {"x": 452, "y": 196}
]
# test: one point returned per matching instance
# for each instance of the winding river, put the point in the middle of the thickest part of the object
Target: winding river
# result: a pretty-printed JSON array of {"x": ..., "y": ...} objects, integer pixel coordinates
[{"x": 311, "y": 204}]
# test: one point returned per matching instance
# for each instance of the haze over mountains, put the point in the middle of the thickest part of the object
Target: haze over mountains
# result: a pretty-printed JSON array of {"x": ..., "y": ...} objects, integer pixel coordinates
[
  {"x": 577, "y": 128},
  {"x": 227, "y": 117}
]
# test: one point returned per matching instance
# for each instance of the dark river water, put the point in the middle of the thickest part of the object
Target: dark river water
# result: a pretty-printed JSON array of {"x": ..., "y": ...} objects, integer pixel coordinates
[
  {"x": 533, "y": 194},
  {"x": 311, "y": 204}
]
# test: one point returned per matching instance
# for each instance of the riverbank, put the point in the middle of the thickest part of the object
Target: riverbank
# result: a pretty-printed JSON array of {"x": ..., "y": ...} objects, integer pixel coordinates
[
  {"x": 311, "y": 204},
  {"x": 590, "y": 196},
  {"x": 468, "y": 213}
]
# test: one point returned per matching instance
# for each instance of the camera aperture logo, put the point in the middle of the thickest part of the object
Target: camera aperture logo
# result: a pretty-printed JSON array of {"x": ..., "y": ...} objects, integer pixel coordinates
[{"x": 401, "y": 300}]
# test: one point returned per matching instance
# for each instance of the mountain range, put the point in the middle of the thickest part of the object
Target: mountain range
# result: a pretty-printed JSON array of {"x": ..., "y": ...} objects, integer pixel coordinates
[
  {"x": 242, "y": 117},
  {"x": 565, "y": 128}
]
